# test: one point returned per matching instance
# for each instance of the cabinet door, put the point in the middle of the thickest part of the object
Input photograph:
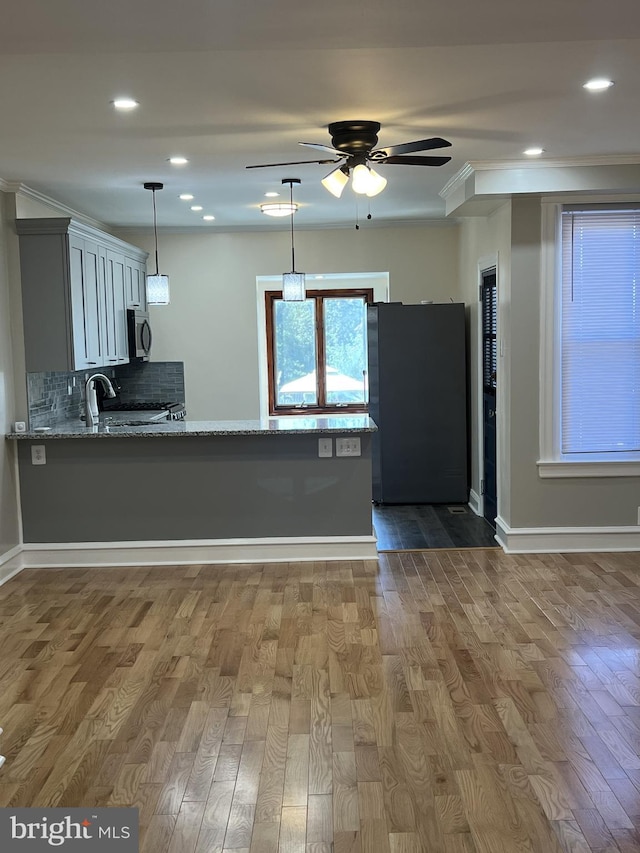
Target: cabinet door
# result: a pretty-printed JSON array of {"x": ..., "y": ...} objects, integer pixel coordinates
[
  {"x": 86, "y": 304},
  {"x": 108, "y": 330},
  {"x": 116, "y": 270},
  {"x": 135, "y": 284}
]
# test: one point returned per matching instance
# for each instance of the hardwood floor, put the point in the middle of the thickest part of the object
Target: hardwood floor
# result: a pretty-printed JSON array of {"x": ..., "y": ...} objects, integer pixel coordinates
[{"x": 436, "y": 701}]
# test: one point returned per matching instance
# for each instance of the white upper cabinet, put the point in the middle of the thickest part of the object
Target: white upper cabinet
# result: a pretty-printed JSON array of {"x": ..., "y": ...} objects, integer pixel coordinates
[
  {"x": 74, "y": 294},
  {"x": 135, "y": 284}
]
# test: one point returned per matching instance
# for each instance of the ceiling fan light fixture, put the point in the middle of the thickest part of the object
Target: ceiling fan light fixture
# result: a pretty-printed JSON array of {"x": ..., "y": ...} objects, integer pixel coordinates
[
  {"x": 278, "y": 208},
  {"x": 367, "y": 182},
  {"x": 376, "y": 183},
  {"x": 336, "y": 181}
]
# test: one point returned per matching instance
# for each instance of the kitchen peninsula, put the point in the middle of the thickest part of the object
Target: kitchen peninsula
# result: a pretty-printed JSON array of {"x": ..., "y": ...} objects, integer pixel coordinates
[{"x": 196, "y": 491}]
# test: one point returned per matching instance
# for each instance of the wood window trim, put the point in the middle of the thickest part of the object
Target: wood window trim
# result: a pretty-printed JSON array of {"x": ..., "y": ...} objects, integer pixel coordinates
[{"x": 271, "y": 296}]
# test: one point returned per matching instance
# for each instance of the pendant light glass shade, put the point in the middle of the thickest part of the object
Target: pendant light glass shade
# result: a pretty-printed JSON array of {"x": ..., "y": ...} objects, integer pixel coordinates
[
  {"x": 293, "y": 287},
  {"x": 335, "y": 182},
  {"x": 293, "y": 283},
  {"x": 157, "y": 285},
  {"x": 157, "y": 290}
]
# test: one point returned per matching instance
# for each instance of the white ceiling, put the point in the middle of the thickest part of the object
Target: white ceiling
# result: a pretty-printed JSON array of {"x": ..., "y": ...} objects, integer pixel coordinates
[{"x": 228, "y": 83}]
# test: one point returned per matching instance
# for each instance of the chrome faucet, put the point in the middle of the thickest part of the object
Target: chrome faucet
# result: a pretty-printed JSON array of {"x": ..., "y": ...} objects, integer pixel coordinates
[{"x": 90, "y": 399}]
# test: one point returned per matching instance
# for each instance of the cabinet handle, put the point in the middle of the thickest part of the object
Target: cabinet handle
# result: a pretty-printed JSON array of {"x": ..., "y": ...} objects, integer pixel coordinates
[
  {"x": 113, "y": 359},
  {"x": 135, "y": 304},
  {"x": 92, "y": 362}
]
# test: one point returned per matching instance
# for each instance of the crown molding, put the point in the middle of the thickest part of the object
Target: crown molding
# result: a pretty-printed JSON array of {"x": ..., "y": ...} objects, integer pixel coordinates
[
  {"x": 457, "y": 181},
  {"x": 60, "y": 209},
  {"x": 471, "y": 167}
]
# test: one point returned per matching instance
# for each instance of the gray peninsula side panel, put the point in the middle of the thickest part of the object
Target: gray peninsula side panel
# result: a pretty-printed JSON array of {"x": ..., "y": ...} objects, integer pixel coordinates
[{"x": 216, "y": 487}]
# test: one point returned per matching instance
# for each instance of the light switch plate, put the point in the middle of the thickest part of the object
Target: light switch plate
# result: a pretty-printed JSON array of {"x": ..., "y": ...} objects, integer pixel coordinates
[
  {"x": 38, "y": 454},
  {"x": 348, "y": 446},
  {"x": 325, "y": 447}
]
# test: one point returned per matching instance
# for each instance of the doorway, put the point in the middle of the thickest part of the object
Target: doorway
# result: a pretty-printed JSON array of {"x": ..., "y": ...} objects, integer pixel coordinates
[{"x": 489, "y": 347}]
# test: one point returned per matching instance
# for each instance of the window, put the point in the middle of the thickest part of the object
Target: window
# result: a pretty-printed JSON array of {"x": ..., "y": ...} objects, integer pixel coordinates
[
  {"x": 600, "y": 331},
  {"x": 317, "y": 352},
  {"x": 591, "y": 415}
]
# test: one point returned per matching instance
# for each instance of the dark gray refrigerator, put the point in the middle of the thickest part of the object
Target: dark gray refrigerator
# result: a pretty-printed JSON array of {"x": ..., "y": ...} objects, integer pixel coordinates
[{"x": 418, "y": 399}]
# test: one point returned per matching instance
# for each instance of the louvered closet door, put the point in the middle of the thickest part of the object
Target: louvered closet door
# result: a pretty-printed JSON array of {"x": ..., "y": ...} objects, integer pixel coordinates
[{"x": 489, "y": 296}]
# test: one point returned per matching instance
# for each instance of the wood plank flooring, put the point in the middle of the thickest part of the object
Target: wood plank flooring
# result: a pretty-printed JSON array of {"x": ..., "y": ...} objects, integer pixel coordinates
[{"x": 437, "y": 701}]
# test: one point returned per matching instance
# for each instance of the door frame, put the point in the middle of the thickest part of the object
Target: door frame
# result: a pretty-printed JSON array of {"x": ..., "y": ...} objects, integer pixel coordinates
[{"x": 476, "y": 499}]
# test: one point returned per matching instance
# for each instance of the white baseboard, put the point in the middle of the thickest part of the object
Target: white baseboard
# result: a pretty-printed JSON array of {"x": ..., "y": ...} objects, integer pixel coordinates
[
  {"x": 531, "y": 540},
  {"x": 10, "y": 563},
  {"x": 476, "y": 503},
  {"x": 174, "y": 553}
]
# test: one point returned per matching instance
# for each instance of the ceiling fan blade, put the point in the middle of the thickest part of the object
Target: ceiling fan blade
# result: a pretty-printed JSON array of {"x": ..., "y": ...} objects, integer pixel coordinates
[
  {"x": 290, "y": 163},
  {"x": 409, "y": 147},
  {"x": 415, "y": 161},
  {"x": 323, "y": 148}
]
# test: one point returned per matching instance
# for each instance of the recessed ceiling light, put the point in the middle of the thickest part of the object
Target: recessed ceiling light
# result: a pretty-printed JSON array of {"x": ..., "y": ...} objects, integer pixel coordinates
[
  {"x": 196, "y": 207},
  {"x": 208, "y": 218},
  {"x": 534, "y": 151},
  {"x": 125, "y": 103},
  {"x": 279, "y": 208},
  {"x": 186, "y": 197},
  {"x": 178, "y": 161},
  {"x": 598, "y": 84},
  {"x": 271, "y": 195}
]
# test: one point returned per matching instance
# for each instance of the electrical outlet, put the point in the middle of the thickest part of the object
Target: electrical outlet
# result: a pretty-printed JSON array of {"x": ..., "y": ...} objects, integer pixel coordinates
[
  {"x": 639, "y": 515},
  {"x": 325, "y": 447},
  {"x": 347, "y": 447},
  {"x": 38, "y": 454}
]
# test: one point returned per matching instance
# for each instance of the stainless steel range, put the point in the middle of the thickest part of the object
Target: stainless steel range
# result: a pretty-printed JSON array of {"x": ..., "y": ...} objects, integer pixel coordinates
[{"x": 147, "y": 411}]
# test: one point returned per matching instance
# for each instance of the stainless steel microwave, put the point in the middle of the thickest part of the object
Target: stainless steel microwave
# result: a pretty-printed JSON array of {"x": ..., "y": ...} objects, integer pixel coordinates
[{"x": 140, "y": 336}]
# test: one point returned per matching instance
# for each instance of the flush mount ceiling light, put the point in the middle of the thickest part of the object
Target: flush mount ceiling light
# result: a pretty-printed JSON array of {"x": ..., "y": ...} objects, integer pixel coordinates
[
  {"x": 125, "y": 104},
  {"x": 186, "y": 197},
  {"x": 293, "y": 287},
  {"x": 208, "y": 217},
  {"x": 277, "y": 208},
  {"x": 178, "y": 161},
  {"x": 598, "y": 84},
  {"x": 157, "y": 285},
  {"x": 534, "y": 151},
  {"x": 196, "y": 207}
]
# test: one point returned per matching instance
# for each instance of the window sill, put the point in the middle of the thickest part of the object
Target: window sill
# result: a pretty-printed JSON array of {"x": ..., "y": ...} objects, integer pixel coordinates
[{"x": 625, "y": 465}]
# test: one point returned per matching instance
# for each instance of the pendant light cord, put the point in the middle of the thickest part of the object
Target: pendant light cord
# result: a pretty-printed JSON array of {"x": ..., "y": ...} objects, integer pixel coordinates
[
  {"x": 293, "y": 257},
  {"x": 155, "y": 227}
]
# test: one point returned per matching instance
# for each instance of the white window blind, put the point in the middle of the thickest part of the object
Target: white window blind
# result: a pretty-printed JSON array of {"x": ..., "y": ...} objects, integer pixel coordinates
[{"x": 600, "y": 331}]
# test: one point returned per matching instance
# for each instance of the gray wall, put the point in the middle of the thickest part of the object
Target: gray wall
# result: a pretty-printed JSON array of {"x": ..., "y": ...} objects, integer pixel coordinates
[
  {"x": 212, "y": 321},
  {"x": 513, "y": 232},
  {"x": 218, "y": 487},
  {"x": 9, "y": 524}
]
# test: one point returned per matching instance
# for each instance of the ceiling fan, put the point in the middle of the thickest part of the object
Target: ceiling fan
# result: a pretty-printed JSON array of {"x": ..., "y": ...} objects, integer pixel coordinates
[{"x": 353, "y": 143}]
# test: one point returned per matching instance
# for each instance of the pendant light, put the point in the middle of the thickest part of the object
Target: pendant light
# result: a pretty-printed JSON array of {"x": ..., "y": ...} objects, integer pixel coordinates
[
  {"x": 293, "y": 283},
  {"x": 157, "y": 285}
]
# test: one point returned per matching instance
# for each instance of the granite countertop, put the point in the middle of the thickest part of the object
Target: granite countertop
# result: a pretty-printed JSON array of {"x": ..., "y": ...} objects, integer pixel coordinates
[{"x": 295, "y": 425}]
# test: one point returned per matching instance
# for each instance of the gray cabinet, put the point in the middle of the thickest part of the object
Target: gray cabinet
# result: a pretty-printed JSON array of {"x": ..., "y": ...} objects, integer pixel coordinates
[{"x": 74, "y": 294}]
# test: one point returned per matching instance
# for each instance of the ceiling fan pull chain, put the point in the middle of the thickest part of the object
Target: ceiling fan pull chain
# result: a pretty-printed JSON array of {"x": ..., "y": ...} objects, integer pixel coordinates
[{"x": 357, "y": 219}]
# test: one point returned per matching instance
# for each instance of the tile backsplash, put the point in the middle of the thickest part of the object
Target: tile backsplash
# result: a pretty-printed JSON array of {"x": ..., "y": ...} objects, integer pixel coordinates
[{"x": 56, "y": 397}]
